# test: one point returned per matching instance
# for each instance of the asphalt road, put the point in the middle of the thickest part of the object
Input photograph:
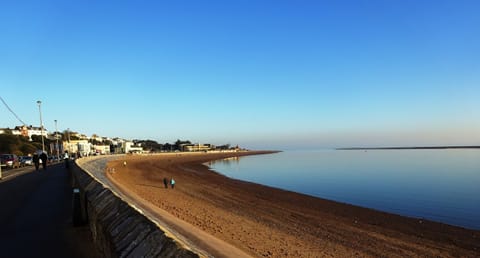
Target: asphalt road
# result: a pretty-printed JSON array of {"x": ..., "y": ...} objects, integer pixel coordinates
[{"x": 36, "y": 215}]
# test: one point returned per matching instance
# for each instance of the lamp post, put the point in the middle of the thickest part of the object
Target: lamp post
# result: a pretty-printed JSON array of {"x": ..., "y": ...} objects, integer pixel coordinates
[
  {"x": 41, "y": 123},
  {"x": 68, "y": 138},
  {"x": 56, "y": 137}
]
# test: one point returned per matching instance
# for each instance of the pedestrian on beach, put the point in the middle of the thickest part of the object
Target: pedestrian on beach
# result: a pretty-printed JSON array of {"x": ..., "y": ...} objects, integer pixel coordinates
[
  {"x": 44, "y": 159},
  {"x": 36, "y": 160},
  {"x": 165, "y": 182},
  {"x": 172, "y": 183}
]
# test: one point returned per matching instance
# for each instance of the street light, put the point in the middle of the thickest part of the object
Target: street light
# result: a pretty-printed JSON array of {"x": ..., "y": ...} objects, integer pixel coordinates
[
  {"x": 68, "y": 138},
  {"x": 56, "y": 137},
  {"x": 41, "y": 123}
]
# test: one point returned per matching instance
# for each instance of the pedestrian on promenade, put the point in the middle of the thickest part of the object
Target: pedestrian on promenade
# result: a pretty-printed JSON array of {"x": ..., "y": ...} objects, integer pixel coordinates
[
  {"x": 36, "y": 160},
  {"x": 165, "y": 182},
  {"x": 65, "y": 158},
  {"x": 172, "y": 183},
  {"x": 44, "y": 159}
]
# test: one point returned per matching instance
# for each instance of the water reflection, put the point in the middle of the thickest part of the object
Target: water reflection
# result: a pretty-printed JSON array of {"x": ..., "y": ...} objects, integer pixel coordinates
[
  {"x": 441, "y": 185},
  {"x": 224, "y": 162}
]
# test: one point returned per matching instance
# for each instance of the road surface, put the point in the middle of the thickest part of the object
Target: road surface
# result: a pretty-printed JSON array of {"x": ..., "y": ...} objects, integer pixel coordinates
[{"x": 36, "y": 215}]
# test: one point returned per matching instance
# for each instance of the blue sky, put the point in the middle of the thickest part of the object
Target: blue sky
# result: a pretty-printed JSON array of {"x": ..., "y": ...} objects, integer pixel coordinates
[{"x": 261, "y": 74}]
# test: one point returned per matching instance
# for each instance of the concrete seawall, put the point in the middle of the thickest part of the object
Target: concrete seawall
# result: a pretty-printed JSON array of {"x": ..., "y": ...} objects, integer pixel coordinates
[{"x": 118, "y": 228}]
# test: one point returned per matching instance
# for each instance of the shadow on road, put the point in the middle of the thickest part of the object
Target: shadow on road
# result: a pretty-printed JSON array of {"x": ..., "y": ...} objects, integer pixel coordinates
[{"x": 36, "y": 216}]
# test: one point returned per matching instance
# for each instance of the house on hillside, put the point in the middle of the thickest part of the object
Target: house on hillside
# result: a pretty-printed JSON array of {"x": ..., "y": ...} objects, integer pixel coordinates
[{"x": 28, "y": 131}]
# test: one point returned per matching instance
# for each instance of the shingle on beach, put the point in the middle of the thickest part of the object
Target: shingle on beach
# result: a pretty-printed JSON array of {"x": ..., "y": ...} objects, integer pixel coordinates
[{"x": 261, "y": 221}]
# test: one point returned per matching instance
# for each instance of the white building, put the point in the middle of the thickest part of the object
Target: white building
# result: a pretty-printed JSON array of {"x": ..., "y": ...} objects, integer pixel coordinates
[
  {"x": 197, "y": 147},
  {"x": 101, "y": 149},
  {"x": 130, "y": 147},
  {"x": 28, "y": 131},
  {"x": 78, "y": 146}
]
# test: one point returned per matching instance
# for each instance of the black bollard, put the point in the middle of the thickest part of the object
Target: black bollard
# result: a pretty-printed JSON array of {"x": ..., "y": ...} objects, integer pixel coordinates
[{"x": 76, "y": 209}]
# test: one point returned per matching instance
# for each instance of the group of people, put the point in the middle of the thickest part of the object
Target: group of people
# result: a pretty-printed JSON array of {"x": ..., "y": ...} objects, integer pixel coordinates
[
  {"x": 37, "y": 158},
  {"x": 172, "y": 182},
  {"x": 43, "y": 158}
]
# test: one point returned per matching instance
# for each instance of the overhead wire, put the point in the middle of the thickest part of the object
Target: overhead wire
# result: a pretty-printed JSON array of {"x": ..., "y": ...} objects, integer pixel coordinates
[{"x": 16, "y": 116}]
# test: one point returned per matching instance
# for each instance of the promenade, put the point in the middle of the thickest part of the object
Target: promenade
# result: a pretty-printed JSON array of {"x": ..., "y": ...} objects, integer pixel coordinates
[{"x": 36, "y": 215}]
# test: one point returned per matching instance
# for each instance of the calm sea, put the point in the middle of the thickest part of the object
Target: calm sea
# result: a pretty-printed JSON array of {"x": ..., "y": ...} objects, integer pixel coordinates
[{"x": 440, "y": 185}]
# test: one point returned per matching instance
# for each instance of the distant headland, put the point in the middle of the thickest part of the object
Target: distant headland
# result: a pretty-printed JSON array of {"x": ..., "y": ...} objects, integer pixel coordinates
[{"x": 410, "y": 148}]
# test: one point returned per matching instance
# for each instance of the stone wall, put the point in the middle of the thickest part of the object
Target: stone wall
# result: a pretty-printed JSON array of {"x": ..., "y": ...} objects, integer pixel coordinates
[{"x": 119, "y": 230}]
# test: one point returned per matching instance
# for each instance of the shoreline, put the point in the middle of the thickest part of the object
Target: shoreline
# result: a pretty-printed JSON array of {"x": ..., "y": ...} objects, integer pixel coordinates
[
  {"x": 410, "y": 148},
  {"x": 266, "y": 221}
]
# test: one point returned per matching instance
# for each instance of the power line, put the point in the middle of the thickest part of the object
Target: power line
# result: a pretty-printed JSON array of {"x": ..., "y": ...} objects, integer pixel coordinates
[{"x": 5, "y": 103}]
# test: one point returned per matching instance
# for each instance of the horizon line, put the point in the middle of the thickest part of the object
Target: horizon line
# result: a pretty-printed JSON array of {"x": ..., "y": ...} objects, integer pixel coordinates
[{"x": 413, "y": 147}]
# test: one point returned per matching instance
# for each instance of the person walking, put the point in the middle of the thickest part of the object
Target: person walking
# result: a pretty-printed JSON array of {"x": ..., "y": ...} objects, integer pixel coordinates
[
  {"x": 36, "y": 160},
  {"x": 172, "y": 183},
  {"x": 65, "y": 158},
  {"x": 165, "y": 182},
  {"x": 44, "y": 159}
]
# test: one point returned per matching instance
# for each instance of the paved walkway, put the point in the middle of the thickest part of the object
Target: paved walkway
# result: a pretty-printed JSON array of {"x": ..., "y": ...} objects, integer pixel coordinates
[{"x": 36, "y": 216}]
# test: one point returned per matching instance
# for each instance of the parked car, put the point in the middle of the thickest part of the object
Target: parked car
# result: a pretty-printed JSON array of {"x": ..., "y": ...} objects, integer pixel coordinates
[
  {"x": 9, "y": 160},
  {"x": 26, "y": 161}
]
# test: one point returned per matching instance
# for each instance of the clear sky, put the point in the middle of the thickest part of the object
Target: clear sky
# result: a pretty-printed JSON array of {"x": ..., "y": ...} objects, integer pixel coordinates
[{"x": 261, "y": 74}]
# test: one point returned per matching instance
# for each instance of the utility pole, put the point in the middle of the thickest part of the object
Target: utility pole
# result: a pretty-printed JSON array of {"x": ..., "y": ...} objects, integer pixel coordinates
[
  {"x": 68, "y": 138},
  {"x": 41, "y": 123},
  {"x": 56, "y": 137}
]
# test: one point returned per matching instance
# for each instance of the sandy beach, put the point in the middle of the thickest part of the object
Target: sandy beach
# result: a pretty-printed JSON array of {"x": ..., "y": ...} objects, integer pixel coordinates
[{"x": 249, "y": 219}]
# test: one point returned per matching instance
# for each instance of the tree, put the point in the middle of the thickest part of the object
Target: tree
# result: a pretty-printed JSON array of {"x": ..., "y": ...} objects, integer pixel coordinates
[
  {"x": 17, "y": 145},
  {"x": 27, "y": 148},
  {"x": 224, "y": 147},
  {"x": 167, "y": 147},
  {"x": 65, "y": 135},
  {"x": 150, "y": 145},
  {"x": 178, "y": 144},
  {"x": 7, "y": 141}
]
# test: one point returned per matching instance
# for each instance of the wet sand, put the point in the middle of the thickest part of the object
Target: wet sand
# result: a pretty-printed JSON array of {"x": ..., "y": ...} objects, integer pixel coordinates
[{"x": 261, "y": 221}]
